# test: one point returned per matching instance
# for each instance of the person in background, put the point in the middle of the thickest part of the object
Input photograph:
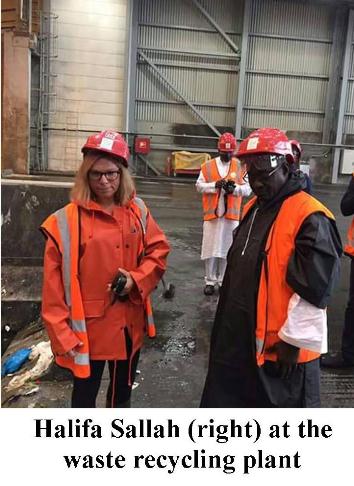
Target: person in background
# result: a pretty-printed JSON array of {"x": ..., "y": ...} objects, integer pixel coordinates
[
  {"x": 270, "y": 325},
  {"x": 345, "y": 358},
  {"x": 104, "y": 255},
  {"x": 221, "y": 183},
  {"x": 300, "y": 168}
]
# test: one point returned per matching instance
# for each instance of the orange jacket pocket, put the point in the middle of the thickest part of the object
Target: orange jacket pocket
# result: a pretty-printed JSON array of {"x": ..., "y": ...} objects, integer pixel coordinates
[{"x": 93, "y": 308}]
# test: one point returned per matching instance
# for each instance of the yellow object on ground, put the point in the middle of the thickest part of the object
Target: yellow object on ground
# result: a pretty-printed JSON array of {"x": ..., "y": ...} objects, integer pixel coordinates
[{"x": 188, "y": 162}]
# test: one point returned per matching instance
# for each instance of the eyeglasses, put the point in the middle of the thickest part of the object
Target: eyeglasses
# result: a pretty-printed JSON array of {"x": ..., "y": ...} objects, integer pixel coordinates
[
  {"x": 110, "y": 175},
  {"x": 262, "y": 162},
  {"x": 260, "y": 174},
  {"x": 259, "y": 165}
]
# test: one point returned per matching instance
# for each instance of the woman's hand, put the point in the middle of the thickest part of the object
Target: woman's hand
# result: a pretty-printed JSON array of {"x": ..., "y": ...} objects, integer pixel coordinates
[{"x": 130, "y": 282}]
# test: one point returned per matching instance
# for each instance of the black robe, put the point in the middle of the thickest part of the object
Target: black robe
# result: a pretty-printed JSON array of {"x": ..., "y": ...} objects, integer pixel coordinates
[{"x": 234, "y": 379}]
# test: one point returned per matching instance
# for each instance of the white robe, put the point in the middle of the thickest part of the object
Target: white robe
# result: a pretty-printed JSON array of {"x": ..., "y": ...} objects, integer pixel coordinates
[
  {"x": 217, "y": 233},
  {"x": 305, "y": 326}
]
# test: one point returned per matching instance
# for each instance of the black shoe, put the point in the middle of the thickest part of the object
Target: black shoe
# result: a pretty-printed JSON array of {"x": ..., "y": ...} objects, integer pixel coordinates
[
  {"x": 335, "y": 360},
  {"x": 209, "y": 290}
]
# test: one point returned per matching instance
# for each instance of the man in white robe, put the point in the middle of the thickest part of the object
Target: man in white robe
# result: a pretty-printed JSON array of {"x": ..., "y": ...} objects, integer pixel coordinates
[{"x": 224, "y": 179}]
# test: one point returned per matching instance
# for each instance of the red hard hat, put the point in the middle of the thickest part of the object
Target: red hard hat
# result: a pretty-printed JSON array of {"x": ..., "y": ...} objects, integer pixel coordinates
[
  {"x": 266, "y": 141},
  {"x": 109, "y": 142},
  {"x": 227, "y": 143}
]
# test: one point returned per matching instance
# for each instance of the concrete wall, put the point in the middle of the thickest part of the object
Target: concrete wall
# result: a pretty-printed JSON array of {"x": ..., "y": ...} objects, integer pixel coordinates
[
  {"x": 90, "y": 75},
  {"x": 15, "y": 101},
  {"x": 24, "y": 206}
]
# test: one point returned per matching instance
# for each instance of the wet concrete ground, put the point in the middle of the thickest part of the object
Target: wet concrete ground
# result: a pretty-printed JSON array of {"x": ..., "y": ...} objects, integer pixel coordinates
[{"x": 173, "y": 365}]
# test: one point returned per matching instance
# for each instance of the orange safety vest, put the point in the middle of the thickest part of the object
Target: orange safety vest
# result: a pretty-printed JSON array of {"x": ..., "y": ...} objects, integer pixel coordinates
[
  {"x": 210, "y": 201},
  {"x": 63, "y": 227},
  {"x": 274, "y": 293},
  {"x": 349, "y": 247}
]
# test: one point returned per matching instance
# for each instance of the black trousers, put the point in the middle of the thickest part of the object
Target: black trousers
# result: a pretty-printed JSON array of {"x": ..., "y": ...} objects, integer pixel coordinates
[
  {"x": 251, "y": 387},
  {"x": 300, "y": 390},
  {"x": 85, "y": 390},
  {"x": 348, "y": 331}
]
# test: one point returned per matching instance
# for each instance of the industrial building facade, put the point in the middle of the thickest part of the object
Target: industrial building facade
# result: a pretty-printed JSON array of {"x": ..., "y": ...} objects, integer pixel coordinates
[{"x": 178, "y": 72}]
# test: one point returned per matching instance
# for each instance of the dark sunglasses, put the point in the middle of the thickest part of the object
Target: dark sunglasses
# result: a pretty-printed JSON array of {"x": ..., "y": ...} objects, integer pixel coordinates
[
  {"x": 110, "y": 175},
  {"x": 259, "y": 166},
  {"x": 263, "y": 162}
]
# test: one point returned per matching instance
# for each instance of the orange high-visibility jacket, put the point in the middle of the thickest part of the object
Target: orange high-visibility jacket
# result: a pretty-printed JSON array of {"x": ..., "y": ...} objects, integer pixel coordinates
[
  {"x": 210, "y": 201},
  {"x": 274, "y": 293},
  {"x": 349, "y": 247},
  {"x": 67, "y": 330}
]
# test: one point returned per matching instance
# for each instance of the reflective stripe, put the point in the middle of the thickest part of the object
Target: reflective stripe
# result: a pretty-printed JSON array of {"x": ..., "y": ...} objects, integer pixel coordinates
[
  {"x": 234, "y": 211},
  {"x": 143, "y": 212},
  {"x": 82, "y": 359},
  {"x": 208, "y": 172},
  {"x": 64, "y": 226},
  {"x": 349, "y": 247},
  {"x": 209, "y": 206},
  {"x": 142, "y": 219},
  {"x": 210, "y": 201},
  {"x": 78, "y": 325},
  {"x": 65, "y": 238},
  {"x": 259, "y": 345}
]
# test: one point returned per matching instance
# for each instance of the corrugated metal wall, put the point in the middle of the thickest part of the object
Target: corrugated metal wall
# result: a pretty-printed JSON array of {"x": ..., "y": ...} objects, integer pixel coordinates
[
  {"x": 193, "y": 56},
  {"x": 90, "y": 72},
  {"x": 288, "y": 65},
  {"x": 286, "y": 82},
  {"x": 349, "y": 109},
  {"x": 287, "y": 71}
]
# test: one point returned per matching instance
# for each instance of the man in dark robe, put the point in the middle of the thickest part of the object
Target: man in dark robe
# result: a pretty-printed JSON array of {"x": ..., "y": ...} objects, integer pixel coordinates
[{"x": 283, "y": 369}]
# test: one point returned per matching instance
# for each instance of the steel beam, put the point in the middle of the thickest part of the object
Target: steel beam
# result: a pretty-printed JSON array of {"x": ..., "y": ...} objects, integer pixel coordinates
[
  {"x": 195, "y": 66},
  {"x": 290, "y": 37},
  {"x": 174, "y": 147},
  {"x": 290, "y": 110},
  {"x": 289, "y": 75},
  {"x": 188, "y": 28},
  {"x": 223, "y": 34},
  {"x": 333, "y": 87},
  {"x": 195, "y": 103},
  {"x": 242, "y": 72},
  {"x": 130, "y": 78},
  {"x": 217, "y": 55},
  {"x": 178, "y": 93},
  {"x": 343, "y": 95}
]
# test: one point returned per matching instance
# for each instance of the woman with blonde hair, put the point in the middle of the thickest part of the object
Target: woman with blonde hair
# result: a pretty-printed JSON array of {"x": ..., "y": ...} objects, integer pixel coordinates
[{"x": 104, "y": 255}]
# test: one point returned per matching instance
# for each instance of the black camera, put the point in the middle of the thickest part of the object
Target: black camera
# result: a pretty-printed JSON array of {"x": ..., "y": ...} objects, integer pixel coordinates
[
  {"x": 229, "y": 186},
  {"x": 117, "y": 287}
]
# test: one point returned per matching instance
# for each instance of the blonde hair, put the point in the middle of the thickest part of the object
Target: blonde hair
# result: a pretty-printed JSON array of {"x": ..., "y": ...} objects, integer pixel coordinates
[{"x": 81, "y": 192}]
